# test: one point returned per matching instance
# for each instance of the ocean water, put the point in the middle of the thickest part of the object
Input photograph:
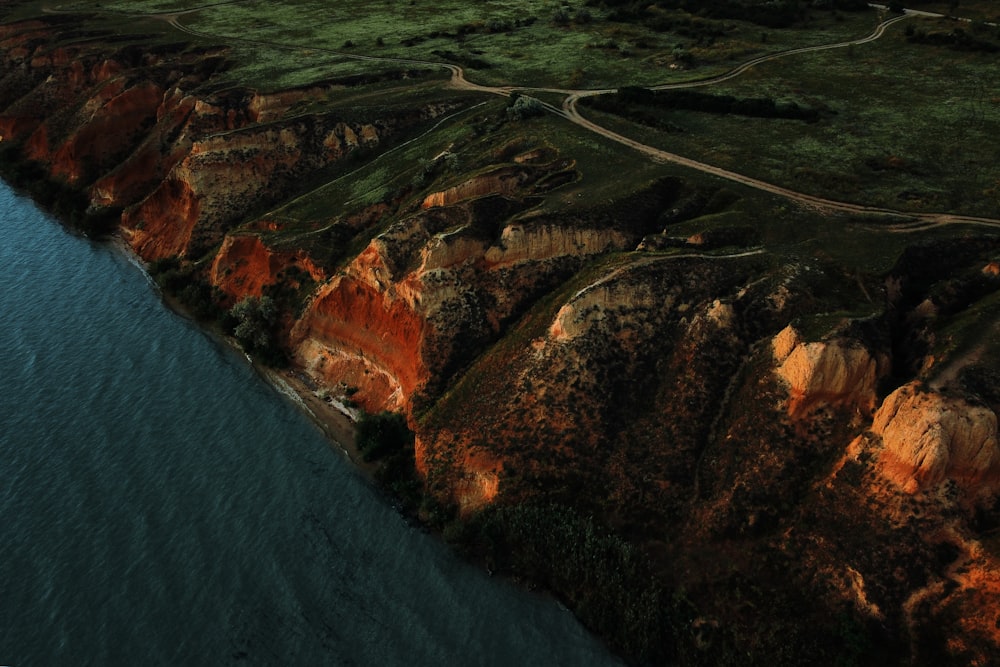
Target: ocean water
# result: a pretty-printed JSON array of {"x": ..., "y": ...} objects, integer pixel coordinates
[{"x": 161, "y": 504}]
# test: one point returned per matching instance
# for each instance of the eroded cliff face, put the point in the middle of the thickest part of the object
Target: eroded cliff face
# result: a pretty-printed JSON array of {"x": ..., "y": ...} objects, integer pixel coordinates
[
  {"x": 427, "y": 295},
  {"x": 633, "y": 362},
  {"x": 840, "y": 371},
  {"x": 929, "y": 438},
  {"x": 244, "y": 267},
  {"x": 136, "y": 130},
  {"x": 230, "y": 173},
  {"x": 572, "y": 390}
]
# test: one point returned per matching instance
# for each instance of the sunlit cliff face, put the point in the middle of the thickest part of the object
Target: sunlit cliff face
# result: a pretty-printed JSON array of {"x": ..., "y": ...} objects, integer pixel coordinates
[
  {"x": 364, "y": 338},
  {"x": 839, "y": 372},
  {"x": 929, "y": 438},
  {"x": 244, "y": 266}
]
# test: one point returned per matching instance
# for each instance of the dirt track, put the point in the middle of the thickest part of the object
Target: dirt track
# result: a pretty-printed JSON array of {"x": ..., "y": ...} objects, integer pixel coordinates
[{"x": 909, "y": 222}]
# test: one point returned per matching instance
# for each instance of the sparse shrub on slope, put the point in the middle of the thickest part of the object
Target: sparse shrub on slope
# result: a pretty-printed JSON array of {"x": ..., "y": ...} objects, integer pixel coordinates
[{"x": 522, "y": 107}]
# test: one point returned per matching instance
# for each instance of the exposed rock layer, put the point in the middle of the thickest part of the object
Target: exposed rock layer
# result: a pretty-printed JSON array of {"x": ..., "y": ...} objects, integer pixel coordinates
[
  {"x": 545, "y": 363},
  {"x": 930, "y": 437},
  {"x": 838, "y": 371}
]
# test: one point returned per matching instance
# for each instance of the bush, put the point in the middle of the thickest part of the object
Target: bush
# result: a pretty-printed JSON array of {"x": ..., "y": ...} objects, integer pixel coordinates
[
  {"x": 522, "y": 107},
  {"x": 385, "y": 437},
  {"x": 606, "y": 581},
  {"x": 254, "y": 322},
  {"x": 382, "y": 434}
]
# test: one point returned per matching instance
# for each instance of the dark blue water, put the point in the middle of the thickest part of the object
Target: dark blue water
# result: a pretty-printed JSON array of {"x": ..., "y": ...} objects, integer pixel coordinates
[{"x": 160, "y": 504}]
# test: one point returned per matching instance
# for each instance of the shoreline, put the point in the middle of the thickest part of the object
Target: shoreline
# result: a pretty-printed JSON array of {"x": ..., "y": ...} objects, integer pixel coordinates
[{"x": 338, "y": 428}]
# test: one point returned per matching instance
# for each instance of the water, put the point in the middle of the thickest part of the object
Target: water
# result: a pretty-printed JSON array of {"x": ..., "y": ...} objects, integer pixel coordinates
[{"x": 160, "y": 504}]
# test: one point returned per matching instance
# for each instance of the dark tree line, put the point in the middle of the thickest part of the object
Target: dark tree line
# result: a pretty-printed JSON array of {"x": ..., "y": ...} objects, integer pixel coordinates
[
  {"x": 770, "y": 14},
  {"x": 629, "y": 98}
]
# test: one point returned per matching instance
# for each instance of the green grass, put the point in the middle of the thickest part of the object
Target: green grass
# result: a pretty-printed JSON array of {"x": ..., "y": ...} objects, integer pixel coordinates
[
  {"x": 929, "y": 149},
  {"x": 532, "y": 52},
  {"x": 366, "y": 183},
  {"x": 971, "y": 328},
  {"x": 912, "y": 127},
  {"x": 976, "y": 10}
]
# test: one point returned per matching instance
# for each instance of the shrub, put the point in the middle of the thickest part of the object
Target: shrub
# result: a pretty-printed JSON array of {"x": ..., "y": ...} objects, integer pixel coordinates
[
  {"x": 381, "y": 434},
  {"x": 386, "y": 438},
  {"x": 523, "y": 106},
  {"x": 254, "y": 323},
  {"x": 606, "y": 580}
]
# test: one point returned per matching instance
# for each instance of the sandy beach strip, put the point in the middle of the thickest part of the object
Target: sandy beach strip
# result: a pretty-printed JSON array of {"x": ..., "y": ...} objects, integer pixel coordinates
[{"x": 293, "y": 383}]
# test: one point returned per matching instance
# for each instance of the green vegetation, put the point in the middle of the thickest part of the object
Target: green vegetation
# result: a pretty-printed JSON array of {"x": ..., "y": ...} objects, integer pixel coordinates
[
  {"x": 386, "y": 440},
  {"x": 921, "y": 140},
  {"x": 183, "y": 282},
  {"x": 526, "y": 42},
  {"x": 927, "y": 150},
  {"x": 691, "y": 100},
  {"x": 253, "y": 321},
  {"x": 383, "y": 434},
  {"x": 612, "y": 590},
  {"x": 523, "y": 106}
]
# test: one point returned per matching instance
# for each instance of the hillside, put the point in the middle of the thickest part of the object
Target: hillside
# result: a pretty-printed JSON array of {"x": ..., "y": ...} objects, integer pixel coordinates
[{"x": 688, "y": 313}]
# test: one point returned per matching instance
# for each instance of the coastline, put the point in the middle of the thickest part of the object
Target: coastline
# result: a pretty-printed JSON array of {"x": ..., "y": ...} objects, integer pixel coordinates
[{"x": 338, "y": 428}]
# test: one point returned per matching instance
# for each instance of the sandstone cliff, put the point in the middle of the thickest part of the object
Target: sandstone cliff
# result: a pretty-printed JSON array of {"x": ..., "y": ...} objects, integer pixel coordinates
[
  {"x": 929, "y": 438},
  {"x": 840, "y": 371},
  {"x": 720, "y": 482}
]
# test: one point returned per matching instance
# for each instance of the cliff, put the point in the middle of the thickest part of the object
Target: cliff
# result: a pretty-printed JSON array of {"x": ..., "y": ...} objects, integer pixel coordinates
[
  {"x": 839, "y": 372},
  {"x": 716, "y": 438},
  {"x": 929, "y": 438}
]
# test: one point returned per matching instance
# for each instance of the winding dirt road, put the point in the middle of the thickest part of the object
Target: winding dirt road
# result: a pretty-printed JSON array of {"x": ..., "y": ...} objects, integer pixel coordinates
[
  {"x": 916, "y": 221},
  {"x": 909, "y": 222}
]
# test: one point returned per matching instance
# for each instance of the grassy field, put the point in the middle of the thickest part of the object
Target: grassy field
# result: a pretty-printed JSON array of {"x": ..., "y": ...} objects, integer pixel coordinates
[
  {"x": 976, "y": 10},
  {"x": 531, "y": 43},
  {"x": 904, "y": 125}
]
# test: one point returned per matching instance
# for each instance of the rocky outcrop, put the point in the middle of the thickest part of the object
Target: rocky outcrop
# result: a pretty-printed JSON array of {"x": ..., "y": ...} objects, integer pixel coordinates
[
  {"x": 929, "y": 438},
  {"x": 105, "y": 129},
  {"x": 163, "y": 224},
  {"x": 244, "y": 266},
  {"x": 364, "y": 338},
  {"x": 188, "y": 165},
  {"x": 478, "y": 482},
  {"x": 443, "y": 273},
  {"x": 166, "y": 143},
  {"x": 522, "y": 180},
  {"x": 521, "y": 242},
  {"x": 505, "y": 181},
  {"x": 839, "y": 371},
  {"x": 570, "y": 389},
  {"x": 227, "y": 174}
]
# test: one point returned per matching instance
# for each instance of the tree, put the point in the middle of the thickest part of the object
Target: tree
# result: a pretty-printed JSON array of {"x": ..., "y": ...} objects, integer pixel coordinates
[
  {"x": 523, "y": 106},
  {"x": 382, "y": 434},
  {"x": 255, "y": 320}
]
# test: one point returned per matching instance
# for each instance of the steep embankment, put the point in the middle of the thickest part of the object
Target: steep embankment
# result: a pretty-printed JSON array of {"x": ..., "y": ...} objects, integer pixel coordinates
[
  {"x": 134, "y": 129},
  {"x": 688, "y": 439}
]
